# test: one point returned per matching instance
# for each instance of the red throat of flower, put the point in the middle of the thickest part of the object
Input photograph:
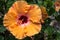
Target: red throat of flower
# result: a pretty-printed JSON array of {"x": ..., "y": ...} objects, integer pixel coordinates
[{"x": 22, "y": 19}]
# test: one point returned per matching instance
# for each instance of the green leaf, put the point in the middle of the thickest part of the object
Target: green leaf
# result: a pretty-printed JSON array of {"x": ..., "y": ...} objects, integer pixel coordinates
[
  {"x": 58, "y": 36},
  {"x": 9, "y": 3},
  {"x": 11, "y": 38},
  {"x": 51, "y": 11},
  {"x": 49, "y": 30},
  {"x": 45, "y": 3},
  {"x": 58, "y": 18},
  {"x": 2, "y": 29},
  {"x": 1, "y": 5},
  {"x": 27, "y": 38},
  {"x": 8, "y": 36},
  {"x": 1, "y": 37},
  {"x": 30, "y": 2},
  {"x": 49, "y": 4}
]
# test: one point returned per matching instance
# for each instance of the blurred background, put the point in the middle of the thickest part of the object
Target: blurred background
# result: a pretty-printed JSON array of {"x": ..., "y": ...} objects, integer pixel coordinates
[{"x": 50, "y": 29}]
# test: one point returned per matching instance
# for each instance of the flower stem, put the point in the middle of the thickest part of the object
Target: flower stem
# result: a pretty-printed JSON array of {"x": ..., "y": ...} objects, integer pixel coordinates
[{"x": 32, "y": 38}]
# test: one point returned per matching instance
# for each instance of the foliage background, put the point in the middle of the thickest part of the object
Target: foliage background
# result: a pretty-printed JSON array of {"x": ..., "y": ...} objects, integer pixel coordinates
[{"x": 48, "y": 32}]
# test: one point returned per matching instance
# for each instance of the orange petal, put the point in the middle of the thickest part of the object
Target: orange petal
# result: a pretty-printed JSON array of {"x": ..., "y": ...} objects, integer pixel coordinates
[
  {"x": 57, "y": 6},
  {"x": 44, "y": 13},
  {"x": 17, "y": 31},
  {"x": 10, "y": 17},
  {"x": 21, "y": 6},
  {"x": 32, "y": 29},
  {"x": 35, "y": 13}
]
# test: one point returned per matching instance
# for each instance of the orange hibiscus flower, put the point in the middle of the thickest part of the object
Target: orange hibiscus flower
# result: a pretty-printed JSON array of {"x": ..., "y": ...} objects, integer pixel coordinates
[
  {"x": 57, "y": 5},
  {"x": 23, "y": 20}
]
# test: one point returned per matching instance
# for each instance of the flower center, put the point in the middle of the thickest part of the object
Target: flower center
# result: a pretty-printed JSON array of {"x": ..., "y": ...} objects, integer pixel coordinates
[{"x": 23, "y": 18}]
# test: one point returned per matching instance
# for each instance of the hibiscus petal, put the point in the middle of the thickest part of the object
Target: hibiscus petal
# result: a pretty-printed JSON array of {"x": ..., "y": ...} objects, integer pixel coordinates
[
  {"x": 44, "y": 13},
  {"x": 57, "y": 5},
  {"x": 32, "y": 29},
  {"x": 35, "y": 13},
  {"x": 21, "y": 6}
]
